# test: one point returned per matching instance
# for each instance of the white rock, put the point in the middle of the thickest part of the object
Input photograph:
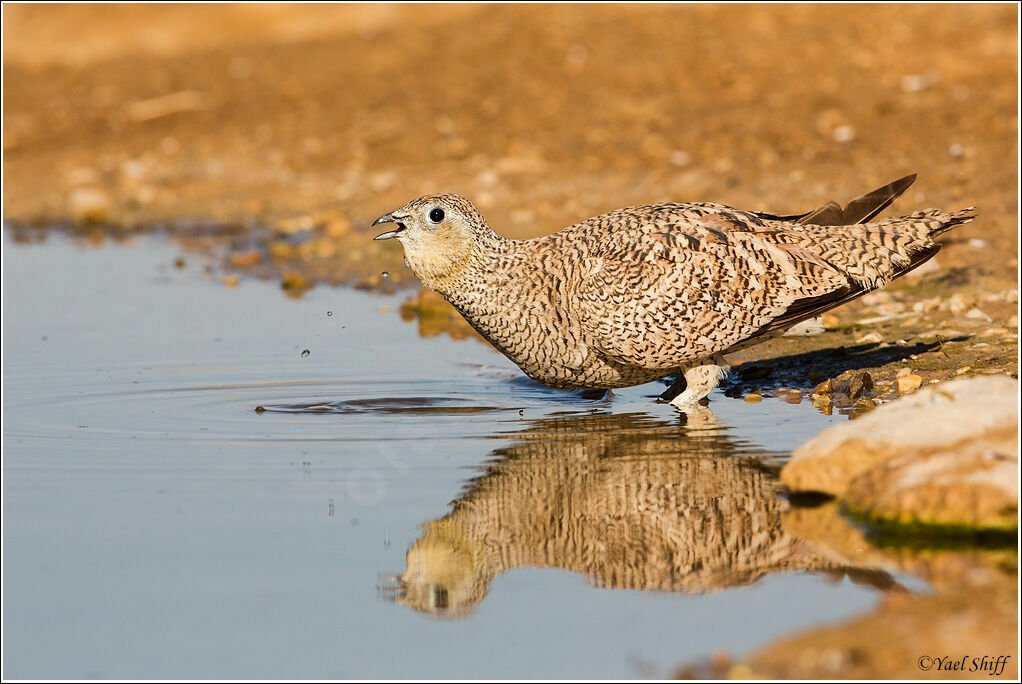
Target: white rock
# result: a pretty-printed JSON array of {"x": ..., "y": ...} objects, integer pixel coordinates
[{"x": 933, "y": 417}]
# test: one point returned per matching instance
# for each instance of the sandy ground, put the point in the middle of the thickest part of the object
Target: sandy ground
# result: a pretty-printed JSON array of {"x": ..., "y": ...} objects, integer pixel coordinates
[
  {"x": 285, "y": 130},
  {"x": 298, "y": 125}
]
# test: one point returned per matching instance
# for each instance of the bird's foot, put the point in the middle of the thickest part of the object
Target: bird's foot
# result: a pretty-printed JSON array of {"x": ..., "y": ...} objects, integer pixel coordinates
[{"x": 695, "y": 382}]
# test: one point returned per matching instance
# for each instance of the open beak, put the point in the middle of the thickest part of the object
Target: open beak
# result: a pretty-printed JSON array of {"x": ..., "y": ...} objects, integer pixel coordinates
[{"x": 389, "y": 218}]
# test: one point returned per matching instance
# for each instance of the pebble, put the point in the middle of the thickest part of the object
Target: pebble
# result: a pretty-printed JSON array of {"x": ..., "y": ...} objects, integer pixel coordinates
[
  {"x": 165, "y": 105},
  {"x": 88, "y": 205},
  {"x": 824, "y": 388},
  {"x": 963, "y": 370},
  {"x": 230, "y": 280},
  {"x": 978, "y": 315},
  {"x": 243, "y": 259},
  {"x": 753, "y": 397},
  {"x": 871, "y": 338},
  {"x": 859, "y": 384},
  {"x": 681, "y": 158},
  {"x": 959, "y": 303},
  {"x": 927, "y": 305},
  {"x": 915, "y": 83},
  {"x": 295, "y": 282},
  {"x": 909, "y": 383},
  {"x": 902, "y": 372},
  {"x": 845, "y": 133}
]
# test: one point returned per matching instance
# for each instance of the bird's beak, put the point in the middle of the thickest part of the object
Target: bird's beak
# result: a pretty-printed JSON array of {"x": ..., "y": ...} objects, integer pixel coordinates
[{"x": 389, "y": 218}]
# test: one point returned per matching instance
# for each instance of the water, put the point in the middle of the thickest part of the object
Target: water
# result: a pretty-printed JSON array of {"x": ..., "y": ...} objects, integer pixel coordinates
[{"x": 396, "y": 507}]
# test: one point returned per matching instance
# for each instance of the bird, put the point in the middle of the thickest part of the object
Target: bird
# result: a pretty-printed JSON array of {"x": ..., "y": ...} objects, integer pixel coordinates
[{"x": 649, "y": 292}]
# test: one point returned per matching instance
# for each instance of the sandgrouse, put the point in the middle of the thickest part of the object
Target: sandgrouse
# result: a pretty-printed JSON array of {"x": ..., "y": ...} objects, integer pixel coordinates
[{"x": 646, "y": 292}]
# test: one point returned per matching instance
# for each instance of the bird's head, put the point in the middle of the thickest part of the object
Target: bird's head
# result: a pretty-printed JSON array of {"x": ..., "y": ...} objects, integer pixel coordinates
[{"x": 440, "y": 235}]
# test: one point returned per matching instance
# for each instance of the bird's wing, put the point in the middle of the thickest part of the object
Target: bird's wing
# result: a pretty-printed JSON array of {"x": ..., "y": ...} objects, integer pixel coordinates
[
  {"x": 862, "y": 209},
  {"x": 667, "y": 284}
]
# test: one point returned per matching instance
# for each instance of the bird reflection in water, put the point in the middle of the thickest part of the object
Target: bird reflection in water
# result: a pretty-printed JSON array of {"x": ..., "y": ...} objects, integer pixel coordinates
[{"x": 629, "y": 501}]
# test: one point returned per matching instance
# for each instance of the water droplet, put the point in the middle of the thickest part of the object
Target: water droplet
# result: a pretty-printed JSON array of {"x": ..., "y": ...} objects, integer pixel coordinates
[
  {"x": 329, "y": 313},
  {"x": 384, "y": 275},
  {"x": 305, "y": 352}
]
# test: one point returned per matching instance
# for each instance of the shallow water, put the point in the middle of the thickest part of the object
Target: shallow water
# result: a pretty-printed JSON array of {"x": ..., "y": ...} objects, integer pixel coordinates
[{"x": 187, "y": 495}]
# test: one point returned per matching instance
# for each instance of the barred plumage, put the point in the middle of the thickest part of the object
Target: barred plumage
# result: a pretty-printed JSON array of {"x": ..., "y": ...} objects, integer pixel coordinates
[{"x": 646, "y": 292}]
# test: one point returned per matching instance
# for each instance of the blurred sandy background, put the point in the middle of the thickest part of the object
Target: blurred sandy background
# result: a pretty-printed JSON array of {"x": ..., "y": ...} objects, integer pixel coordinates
[{"x": 323, "y": 117}]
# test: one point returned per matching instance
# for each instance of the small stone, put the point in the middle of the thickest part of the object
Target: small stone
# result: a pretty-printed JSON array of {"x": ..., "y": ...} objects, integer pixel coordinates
[
  {"x": 825, "y": 388},
  {"x": 871, "y": 338},
  {"x": 282, "y": 250},
  {"x": 753, "y": 398},
  {"x": 830, "y": 320},
  {"x": 295, "y": 283},
  {"x": 841, "y": 400},
  {"x": 88, "y": 205},
  {"x": 915, "y": 83},
  {"x": 977, "y": 314},
  {"x": 959, "y": 303},
  {"x": 681, "y": 158},
  {"x": 230, "y": 280},
  {"x": 909, "y": 383},
  {"x": 243, "y": 259},
  {"x": 859, "y": 384},
  {"x": 932, "y": 304},
  {"x": 845, "y": 133},
  {"x": 963, "y": 370}
]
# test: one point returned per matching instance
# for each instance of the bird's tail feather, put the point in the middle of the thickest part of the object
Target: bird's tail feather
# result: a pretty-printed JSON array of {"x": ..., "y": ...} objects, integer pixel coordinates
[{"x": 861, "y": 209}]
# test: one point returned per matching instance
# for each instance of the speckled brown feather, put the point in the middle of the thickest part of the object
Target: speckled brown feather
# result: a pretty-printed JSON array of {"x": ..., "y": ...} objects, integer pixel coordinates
[{"x": 643, "y": 292}]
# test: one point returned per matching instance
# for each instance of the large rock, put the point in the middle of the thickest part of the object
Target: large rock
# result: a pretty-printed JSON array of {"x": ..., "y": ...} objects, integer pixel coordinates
[{"x": 947, "y": 456}]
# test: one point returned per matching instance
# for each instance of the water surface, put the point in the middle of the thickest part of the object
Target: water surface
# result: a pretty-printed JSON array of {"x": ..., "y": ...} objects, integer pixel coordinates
[{"x": 187, "y": 494}]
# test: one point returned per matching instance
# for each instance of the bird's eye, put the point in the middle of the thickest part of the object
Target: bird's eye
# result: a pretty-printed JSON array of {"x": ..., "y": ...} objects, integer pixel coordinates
[{"x": 436, "y": 215}]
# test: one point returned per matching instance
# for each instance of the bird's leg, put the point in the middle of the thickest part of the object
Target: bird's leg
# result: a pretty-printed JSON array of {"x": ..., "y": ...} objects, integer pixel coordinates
[
  {"x": 699, "y": 380},
  {"x": 596, "y": 394},
  {"x": 676, "y": 388}
]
